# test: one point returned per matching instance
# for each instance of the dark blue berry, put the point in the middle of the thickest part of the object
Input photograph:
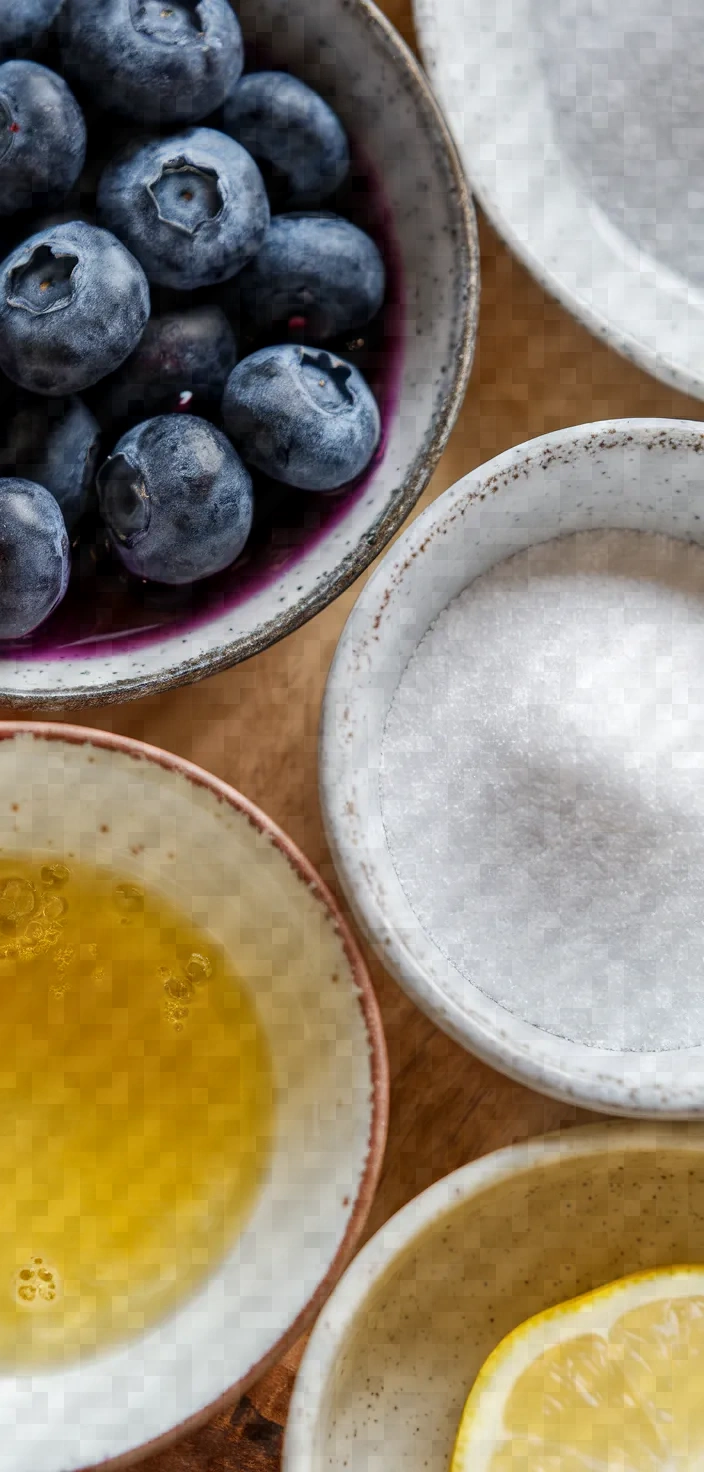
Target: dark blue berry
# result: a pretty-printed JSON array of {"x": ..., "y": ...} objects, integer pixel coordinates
[
  {"x": 158, "y": 61},
  {"x": 182, "y": 357},
  {"x": 54, "y": 442},
  {"x": 176, "y": 499},
  {"x": 193, "y": 209},
  {"x": 42, "y": 136},
  {"x": 317, "y": 273},
  {"x": 286, "y": 126},
  {"x": 302, "y": 416},
  {"x": 73, "y": 305},
  {"x": 34, "y": 557},
  {"x": 22, "y": 22}
]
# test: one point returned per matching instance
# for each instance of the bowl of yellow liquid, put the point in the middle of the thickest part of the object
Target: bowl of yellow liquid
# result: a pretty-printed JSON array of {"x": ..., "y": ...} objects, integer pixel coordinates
[
  {"x": 193, "y": 1096},
  {"x": 489, "y": 1324}
]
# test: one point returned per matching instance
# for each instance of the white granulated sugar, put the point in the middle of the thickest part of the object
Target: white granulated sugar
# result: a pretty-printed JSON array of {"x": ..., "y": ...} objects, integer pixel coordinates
[{"x": 542, "y": 787}]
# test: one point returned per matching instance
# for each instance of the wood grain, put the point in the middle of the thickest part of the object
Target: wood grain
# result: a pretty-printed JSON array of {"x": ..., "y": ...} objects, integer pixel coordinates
[{"x": 256, "y": 727}]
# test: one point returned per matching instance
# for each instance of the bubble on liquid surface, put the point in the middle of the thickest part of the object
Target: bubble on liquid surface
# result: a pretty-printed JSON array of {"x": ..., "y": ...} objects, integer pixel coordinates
[
  {"x": 177, "y": 987},
  {"x": 36, "y": 1285},
  {"x": 17, "y": 900},
  {"x": 30, "y": 921},
  {"x": 198, "y": 969},
  {"x": 129, "y": 899},
  {"x": 54, "y": 907},
  {"x": 54, "y": 875}
]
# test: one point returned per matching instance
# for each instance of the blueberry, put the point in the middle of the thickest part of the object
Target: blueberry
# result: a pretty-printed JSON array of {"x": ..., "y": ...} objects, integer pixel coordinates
[
  {"x": 42, "y": 136},
  {"x": 73, "y": 305},
  {"x": 54, "y": 442},
  {"x": 22, "y": 22},
  {"x": 158, "y": 61},
  {"x": 315, "y": 272},
  {"x": 34, "y": 557},
  {"x": 183, "y": 356},
  {"x": 302, "y": 416},
  {"x": 176, "y": 499},
  {"x": 193, "y": 209},
  {"x": 287, "y": 126}
]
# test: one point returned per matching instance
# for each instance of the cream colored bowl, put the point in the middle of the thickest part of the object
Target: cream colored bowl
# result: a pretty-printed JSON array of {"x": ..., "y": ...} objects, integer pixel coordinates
[
  {"x": 102, "y": 799},
  {"x": 635, "y": 474},
  {"x": 398, "y": 1346}
]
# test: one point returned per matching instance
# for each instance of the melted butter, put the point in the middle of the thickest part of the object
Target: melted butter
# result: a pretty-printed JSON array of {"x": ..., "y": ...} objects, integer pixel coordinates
[{"x": 136, "y": 1105}]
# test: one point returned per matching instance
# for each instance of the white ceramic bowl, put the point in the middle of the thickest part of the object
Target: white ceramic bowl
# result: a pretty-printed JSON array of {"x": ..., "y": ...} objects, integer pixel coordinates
[
  {"x": 580, "y": 126},
  {"x": 351, "y": 53},
  {"x": 111, "y": 801},
  {"x": 395, "y": 1352},
  {"x": 639, "y": 474}
]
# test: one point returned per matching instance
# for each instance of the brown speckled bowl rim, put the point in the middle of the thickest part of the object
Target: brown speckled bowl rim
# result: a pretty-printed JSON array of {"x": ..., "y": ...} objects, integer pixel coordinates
[
  {"x": 379, "y": 1066},
  {"x": 373, "y": 541}
]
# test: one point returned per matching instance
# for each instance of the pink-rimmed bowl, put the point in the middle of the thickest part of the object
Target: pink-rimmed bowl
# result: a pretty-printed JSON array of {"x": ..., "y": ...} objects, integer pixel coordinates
[{"x": 107, "y": 800}]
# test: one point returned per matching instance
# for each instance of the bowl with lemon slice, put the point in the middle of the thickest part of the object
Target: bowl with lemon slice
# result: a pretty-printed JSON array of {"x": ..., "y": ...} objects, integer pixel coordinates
[{"x": 541, "y": 1309}]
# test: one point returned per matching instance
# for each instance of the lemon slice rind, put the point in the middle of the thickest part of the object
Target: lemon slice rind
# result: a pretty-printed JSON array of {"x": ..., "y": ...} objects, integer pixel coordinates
[{"x": 482, "y": 1426}]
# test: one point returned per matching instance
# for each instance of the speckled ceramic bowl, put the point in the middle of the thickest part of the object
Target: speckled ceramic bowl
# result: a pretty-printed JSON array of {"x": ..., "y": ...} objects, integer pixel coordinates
[
  {"x": 639, "y": 474},
  {"x": 398, "y": 1346},
  {"x": 103, "y": 799},
  {"x": 580, "y": 125},
  {"x": 415, "y": 199}
]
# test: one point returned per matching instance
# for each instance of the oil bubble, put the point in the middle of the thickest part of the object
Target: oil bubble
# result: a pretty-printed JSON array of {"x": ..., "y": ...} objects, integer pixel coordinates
[
  {"x": 54, "y": 874},
  {"x": 129, "y": 898},
  {"x": 178, "y": 988},
  {"x": 54, "y": 906},
  {"x": 17, "y": 899},
  {"x": 63, "y": 959},
  {"x": 198, "y": 969},
  {"x": 36, "y": 1284}
]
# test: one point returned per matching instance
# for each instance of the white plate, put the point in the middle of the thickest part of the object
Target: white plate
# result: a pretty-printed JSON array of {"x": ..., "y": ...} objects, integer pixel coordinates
[{"x": 581, "y": 126}]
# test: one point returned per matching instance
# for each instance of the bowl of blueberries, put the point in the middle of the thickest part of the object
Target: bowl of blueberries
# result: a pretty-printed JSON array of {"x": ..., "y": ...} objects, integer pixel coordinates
[{"x": 238, "y": 298}]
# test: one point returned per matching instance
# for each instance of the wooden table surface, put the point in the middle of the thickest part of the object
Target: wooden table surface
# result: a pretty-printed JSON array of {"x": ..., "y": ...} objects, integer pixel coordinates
[{"x": 256, "y": 726}]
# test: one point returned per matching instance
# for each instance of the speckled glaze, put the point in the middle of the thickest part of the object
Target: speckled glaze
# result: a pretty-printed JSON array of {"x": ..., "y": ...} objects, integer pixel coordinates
[
  {"x": 397, "y": 1348},
  {"x": 350, "y": 52},
  {"x": 640, "y": 474},
  {"x": 580, "y": 126},
  {"x": 242, "y": 879}
]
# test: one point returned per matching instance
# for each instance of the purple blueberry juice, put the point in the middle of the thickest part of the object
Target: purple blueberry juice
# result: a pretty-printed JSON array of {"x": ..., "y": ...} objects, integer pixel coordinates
[{"x": 107, "y": 610}]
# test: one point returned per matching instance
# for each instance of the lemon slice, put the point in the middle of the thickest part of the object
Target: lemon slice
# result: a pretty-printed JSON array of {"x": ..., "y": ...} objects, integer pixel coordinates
[{"x": 614, "y": 1379}]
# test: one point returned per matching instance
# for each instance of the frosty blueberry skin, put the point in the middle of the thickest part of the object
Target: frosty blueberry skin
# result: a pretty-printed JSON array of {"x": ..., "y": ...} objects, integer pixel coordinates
[
  {"x": 22, "y": 22},
  {"x": 286, "y": 125},
  {"x": 35, "y": 559},
  {"x": 176, "y": 499},
  {"x": 319, "y": 269},
  {"x": 54, "y": 442},
  {"x": 73, "y": 305},
  {"x": 302, "y": 416},
  {"x": 193, "y": 208},
  {"x": 42, "y": 136},
  {"x": 157, "y": 61},
  {"x": 182, "y": 355}
]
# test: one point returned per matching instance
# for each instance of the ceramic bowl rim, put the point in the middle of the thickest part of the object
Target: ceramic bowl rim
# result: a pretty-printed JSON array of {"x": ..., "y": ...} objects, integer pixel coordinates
[
  {"x": 351, "y": 566},
  {"x": 500, "y": 1047},
  {"x": 305, "y": 872},
  {"x": 580, "y": 303},
  {"x": 406, "y": 1227}
]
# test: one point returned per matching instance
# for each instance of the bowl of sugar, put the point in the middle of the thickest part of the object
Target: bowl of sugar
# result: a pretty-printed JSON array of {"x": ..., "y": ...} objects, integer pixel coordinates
[
  {"x": 194, "y": 1096},
  {"x": 512, "y": 767}
]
